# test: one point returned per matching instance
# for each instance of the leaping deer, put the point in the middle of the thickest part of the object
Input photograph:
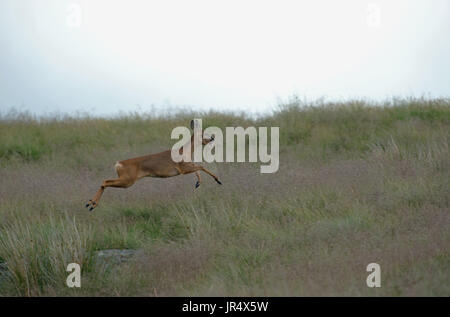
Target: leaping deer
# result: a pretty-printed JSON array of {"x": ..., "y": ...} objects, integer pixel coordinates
[{"x": 152, "y": 165}]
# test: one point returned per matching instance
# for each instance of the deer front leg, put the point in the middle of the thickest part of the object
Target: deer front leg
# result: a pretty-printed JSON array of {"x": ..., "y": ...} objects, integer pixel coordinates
[
  {"x": 187, "y": 168},
  {"x": 118, "y": 182},
  {"x": 212, "y": 174},
  {"x": 199, "y": 179}
]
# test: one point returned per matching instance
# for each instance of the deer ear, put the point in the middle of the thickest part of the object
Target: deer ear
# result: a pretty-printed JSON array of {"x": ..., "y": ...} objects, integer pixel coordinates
[{"x": 192, "y": 124}]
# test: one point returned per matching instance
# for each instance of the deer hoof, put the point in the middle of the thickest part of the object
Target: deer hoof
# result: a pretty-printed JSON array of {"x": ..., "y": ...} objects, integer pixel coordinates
[
  {"x": 197, "y": 184},
  {"x": 91, "y": 204},
  {"x": 219, "y": 182}
]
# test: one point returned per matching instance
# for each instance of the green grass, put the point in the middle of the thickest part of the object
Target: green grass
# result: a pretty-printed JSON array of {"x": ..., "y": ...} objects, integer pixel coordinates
[{"x": 358, "y": 183}]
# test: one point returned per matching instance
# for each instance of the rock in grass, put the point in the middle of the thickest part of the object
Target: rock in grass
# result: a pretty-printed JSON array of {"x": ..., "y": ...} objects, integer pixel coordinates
[
  {"x": 3, "y": 267},
  {"x": 115, "y": 256},
  {"x": 112, "y": 256}
]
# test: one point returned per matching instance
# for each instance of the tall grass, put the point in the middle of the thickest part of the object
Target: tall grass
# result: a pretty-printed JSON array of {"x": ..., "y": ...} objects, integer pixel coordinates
[{"x": 358, "y": 183}]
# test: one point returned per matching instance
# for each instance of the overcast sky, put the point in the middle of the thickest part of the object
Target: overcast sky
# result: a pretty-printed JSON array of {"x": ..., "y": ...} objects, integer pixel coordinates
[{"x": 106, "y": 56}]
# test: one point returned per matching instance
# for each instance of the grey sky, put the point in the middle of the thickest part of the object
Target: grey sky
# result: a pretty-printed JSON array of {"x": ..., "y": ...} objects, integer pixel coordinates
[{"x": 105, "y": 56}]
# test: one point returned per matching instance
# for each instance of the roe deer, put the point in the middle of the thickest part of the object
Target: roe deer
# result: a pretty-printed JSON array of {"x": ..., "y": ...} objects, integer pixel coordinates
[{"x": 153, "y": 165}]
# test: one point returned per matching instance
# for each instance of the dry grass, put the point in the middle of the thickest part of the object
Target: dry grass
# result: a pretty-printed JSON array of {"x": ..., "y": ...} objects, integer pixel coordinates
[{"x": 357, "y": 184}]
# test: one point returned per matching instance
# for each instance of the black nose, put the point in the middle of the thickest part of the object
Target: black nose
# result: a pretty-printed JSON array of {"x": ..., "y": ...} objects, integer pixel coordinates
[{"x": 212, "y": 137}]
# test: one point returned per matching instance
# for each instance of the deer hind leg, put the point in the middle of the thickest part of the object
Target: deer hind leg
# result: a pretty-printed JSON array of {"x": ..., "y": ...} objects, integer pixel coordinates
[{"x": 118, "y": 182}]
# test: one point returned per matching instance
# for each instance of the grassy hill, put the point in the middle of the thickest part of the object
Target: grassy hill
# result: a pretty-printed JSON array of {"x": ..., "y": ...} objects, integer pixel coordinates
[{"x": 358, "y": 183}]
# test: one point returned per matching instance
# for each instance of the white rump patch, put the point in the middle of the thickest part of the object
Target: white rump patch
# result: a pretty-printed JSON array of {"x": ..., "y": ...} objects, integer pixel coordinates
[{"x": 117, "y": 165}]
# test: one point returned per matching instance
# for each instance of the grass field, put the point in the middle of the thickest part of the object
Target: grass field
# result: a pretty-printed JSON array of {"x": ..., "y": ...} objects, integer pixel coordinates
[{"x": 357, "y": 183}]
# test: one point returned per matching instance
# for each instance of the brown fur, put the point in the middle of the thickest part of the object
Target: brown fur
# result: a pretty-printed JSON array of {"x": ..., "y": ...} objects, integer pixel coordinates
[{"x": 152, "y": 165}]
